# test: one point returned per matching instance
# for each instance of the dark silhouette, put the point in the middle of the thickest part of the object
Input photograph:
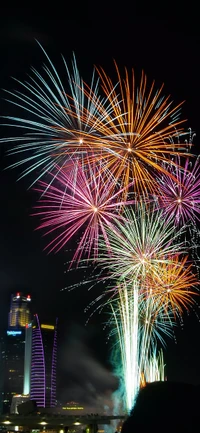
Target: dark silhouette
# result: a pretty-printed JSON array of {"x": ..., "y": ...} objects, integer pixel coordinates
[{"x": 163, "y": 407}]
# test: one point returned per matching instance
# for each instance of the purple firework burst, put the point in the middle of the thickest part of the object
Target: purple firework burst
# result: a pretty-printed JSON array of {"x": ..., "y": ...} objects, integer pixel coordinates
[
  {"x": 82, "y": 204},
  {"x": 181, "y": 199}
]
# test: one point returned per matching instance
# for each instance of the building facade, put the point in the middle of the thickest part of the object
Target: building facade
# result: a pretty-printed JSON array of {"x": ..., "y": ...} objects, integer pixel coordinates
[
  {"x": 43, "y": 363},
  {"x": 27, "y": 360},
  {"x": 13, "y": 366},
  {"x": 19, "y": 315},
  {"x": 15, "y": 359}
]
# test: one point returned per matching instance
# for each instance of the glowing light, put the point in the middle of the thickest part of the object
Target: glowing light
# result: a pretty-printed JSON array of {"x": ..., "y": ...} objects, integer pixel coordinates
[
  {"x": 47, "y": 326},
  {"x": 14, "y": 333},
  {"x": 73, "y": 407}
]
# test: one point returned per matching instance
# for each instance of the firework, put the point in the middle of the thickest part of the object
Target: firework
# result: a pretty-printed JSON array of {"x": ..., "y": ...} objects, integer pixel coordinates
[
  {"x": 140, "y": 243},
  {"x": 172, "y": 287},
  {"x": 127, "y": 127},
  {"x": 125, "y": 315},
  {"x": 181, "y": 199},
  {"x": 51, "y": 135},
  {"x": 156, "y": 285},
  {"x": 142, "y": 314},
  {"x": 136, "y": 329},
  {"x": 136, "y": 138},
  {"x": 155, "y": 370},
  {"x": 97, "y": 149},
  {"x": 83, "y": 207}
]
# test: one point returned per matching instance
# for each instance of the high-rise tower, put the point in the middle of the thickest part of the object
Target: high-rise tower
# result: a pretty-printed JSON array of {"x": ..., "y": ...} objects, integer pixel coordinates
[
  {"x": 13, "y": 366},
  {"x": 16, "y": 351},
  {"x": 43, "y": 364},
  {"x": 19, "y": 315}
]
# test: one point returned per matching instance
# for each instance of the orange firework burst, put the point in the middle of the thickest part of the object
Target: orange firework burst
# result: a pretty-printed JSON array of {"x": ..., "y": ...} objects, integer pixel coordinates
[
  {"x": 136, "y": 136},
  {"x": 132, "y": 128},
  {"x": 174, "y": 289},
  {"x": 129, "y": 128}
]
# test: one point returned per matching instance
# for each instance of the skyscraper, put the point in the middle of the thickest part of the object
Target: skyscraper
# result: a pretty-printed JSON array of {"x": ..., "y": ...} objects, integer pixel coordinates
[
  {"x": 16, "y": 351},
  {"x": 19, "y": 315},
  {"x": 13, "y": 366},
  {"x": 43, "y": 364}
]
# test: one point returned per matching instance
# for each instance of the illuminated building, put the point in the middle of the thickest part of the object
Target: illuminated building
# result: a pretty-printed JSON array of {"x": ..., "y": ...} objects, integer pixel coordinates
[
  {"x": 13, "y": 366},
  {"x": 15, "y": 359},
  {"x": 43, "y": 363},
  {"x": 19, "y": 314},
  {"x": 27, "y": 359}
]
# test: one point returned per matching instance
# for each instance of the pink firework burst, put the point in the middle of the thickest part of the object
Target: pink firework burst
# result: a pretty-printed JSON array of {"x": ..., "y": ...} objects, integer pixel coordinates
[
  {"x": 82, "y": 204},
  {"x": 181, "y": 200}
]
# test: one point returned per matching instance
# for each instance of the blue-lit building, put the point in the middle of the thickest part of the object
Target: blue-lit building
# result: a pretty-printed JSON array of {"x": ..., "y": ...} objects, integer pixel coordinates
[{"x": 15, "y": 357}]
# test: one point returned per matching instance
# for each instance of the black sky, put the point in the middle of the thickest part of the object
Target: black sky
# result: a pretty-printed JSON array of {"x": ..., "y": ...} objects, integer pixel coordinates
[{"x": 168, "y": 51}]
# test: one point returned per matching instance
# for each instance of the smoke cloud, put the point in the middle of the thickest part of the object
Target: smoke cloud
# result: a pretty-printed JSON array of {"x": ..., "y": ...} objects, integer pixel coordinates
[{"x": 84, "y": 378}]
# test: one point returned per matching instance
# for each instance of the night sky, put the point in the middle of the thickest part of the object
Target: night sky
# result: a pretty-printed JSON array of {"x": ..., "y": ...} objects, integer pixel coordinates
[{"x": 167, "y": 49}]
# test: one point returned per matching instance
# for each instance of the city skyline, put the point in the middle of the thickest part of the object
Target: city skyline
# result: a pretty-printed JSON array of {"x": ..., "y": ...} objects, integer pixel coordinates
[
  {"x": 16, "y": 359},
  {"x": 44, "y": 275},
  {"x": 27, "y": 354}
]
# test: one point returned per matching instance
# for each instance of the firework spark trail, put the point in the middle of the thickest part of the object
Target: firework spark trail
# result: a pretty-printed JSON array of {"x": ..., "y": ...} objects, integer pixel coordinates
[
  {"x": 157, "y": 285},
  {"x": 134, "y": 338},
  {"x": 143, "y": 314},
  {"x": 155, "y": 370},
  {"x": 126, "y": 321}
]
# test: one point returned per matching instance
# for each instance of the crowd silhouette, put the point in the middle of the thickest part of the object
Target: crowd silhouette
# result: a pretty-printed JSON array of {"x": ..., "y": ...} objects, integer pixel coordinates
[{"x": 165, "y": 407}]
